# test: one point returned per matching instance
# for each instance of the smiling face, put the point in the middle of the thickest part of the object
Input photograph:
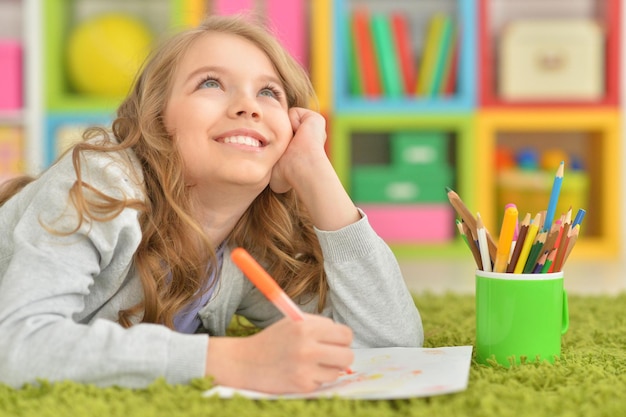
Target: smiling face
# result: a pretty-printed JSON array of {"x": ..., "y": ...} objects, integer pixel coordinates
[{"x": 227, "y": 113}]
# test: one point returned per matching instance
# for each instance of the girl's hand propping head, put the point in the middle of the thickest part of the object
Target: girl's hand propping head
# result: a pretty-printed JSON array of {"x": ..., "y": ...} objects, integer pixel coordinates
[{"x": 307, "y": 143}]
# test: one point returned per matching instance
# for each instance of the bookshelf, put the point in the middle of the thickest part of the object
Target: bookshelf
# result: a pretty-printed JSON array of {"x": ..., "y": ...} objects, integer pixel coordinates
[
  {"x": 474, "y": 121},
  {"x": 594, "y": 124}
]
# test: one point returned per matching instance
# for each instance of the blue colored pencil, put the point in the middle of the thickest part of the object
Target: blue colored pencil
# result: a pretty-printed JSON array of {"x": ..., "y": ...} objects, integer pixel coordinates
[
  {"x": 540, "y": 263},
  {"x": 579, "y": 217},
  {"x": 554, "y": 196}
]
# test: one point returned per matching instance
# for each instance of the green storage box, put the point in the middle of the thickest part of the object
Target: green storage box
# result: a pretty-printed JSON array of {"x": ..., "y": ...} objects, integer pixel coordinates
[
  {"x": 419, "y": 148},
  {"x": 389, "y": 184}
]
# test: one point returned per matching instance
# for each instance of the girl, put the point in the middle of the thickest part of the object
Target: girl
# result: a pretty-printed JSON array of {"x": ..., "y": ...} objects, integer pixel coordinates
[{"x": 115, "y": 262}]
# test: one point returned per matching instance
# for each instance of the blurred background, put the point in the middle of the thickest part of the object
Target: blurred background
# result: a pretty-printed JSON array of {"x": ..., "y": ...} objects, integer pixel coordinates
[{"x": 485, "y": 97}]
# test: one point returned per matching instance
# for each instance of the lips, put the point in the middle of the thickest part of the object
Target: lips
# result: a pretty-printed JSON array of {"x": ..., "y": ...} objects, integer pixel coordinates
[
  {"x": 246, "y": 137},
  {"x": 242, "y": 140}
]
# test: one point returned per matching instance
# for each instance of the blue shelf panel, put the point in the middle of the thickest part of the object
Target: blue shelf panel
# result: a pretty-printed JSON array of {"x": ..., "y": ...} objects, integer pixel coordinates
[{"x": 57, "y": 136}]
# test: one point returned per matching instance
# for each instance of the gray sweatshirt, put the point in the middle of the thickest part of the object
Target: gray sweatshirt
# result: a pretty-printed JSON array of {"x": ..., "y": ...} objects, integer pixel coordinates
[{"x": 60, "y": 295}]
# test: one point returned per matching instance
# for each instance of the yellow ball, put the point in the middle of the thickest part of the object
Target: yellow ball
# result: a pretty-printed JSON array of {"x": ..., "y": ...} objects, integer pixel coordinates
[{"x": 105, "y": 52}]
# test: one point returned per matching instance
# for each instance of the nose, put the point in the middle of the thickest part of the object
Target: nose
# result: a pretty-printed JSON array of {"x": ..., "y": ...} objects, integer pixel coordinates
[{"x": 244, "y": 105}]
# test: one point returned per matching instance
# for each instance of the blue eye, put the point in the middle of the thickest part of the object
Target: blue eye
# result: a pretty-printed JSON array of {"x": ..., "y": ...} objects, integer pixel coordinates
[
  {"x": 271, "y": 91},
  {"x": 209, "y": 82},
  {"x": 267, "y": 92}
]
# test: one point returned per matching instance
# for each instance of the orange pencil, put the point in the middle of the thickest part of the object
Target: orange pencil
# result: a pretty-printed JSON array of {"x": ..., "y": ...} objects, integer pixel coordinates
[
  {"x": 561, "y": 243},
  {"x": 266, "y": 284},
  {"x": 570, "y": 244}
]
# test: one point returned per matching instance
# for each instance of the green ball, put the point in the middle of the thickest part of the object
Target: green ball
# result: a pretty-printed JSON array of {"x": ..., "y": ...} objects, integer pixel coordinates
[{"x": 105, "y": 52}]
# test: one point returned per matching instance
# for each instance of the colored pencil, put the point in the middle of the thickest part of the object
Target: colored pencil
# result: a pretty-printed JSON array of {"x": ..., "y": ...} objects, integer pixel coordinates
[
  {"x": 505, "y": 239},
  {"x": 535, "y": 252},
  {"x": 459, "y": 225},
  {"x": 579, "y": 217},
  {"x": 540, "y": 263},
  {"x": 533, "y": 228},
  {"x": 561, "y": 244},
  {"x": 482, "y": 244},
  {"x": 515, "y": 231},
  {"x": 553, "y": 235},
  {"x": 467, "y": 216},
  {"x": 521, "y": 238},
  {"x": 543, "y": 219},
  {"x": 570, "y": 244},
  {"x": 471, "y": 241},
  {"x": 549, "y": 261},
  {"x": 554, "y": 196}
]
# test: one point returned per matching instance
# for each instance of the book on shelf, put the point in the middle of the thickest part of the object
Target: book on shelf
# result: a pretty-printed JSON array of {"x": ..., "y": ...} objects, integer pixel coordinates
[
  {"x": 444, "y": 57},
  {"x": 386, "y": 55},
  {"x": 365, "y": 54},
  {"x": 404, "y": 49},
  {"x": 355, "y": 74},
  {"x": 449, "y": 86},
  {"x": 435, "y": 56}
]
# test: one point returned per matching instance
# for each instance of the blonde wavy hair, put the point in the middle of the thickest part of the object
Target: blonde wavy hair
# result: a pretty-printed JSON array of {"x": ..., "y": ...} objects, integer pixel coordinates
[{"x": 175, "y": 258}]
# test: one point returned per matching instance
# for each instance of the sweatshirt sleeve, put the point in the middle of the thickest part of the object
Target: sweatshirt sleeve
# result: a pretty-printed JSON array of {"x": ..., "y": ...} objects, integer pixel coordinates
[
  {"x": 367, "y": 290},
  {"x": 46, "y": 280}
]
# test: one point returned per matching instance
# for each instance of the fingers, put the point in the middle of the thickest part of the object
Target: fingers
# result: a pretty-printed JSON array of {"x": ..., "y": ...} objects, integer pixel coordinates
[
  {"x": 327, "y": 331},
  {"x": 315, "y": 121},
  {"x": 331, "y": 350},
  {"x": 335, "y": 358}
]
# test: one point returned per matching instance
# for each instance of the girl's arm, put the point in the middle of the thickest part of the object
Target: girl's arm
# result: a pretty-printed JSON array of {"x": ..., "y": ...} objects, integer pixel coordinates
[
  {"x": 368, "y": 292},
  {"x": 53, "y": 287},
  {"x": 305, "y": 167}
]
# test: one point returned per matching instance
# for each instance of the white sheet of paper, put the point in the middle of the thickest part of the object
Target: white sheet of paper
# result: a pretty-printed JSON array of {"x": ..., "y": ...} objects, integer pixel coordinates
[{"x": 387, "y": 373}]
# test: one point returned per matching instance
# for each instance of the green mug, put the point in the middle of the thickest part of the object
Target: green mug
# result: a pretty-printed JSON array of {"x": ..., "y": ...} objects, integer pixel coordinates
[{"x": 519, "y": 317}]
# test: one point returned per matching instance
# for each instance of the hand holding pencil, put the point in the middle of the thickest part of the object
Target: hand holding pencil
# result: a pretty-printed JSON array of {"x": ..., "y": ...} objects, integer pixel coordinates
[{"x": 294, "y": 355}]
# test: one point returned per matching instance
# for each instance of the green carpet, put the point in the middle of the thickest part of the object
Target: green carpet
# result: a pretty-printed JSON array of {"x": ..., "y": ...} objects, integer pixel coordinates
[{"x": 589, "y": 380}]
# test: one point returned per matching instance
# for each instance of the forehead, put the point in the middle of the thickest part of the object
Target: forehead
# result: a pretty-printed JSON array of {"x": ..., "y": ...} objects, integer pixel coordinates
[{"x": 222, "y": 49}]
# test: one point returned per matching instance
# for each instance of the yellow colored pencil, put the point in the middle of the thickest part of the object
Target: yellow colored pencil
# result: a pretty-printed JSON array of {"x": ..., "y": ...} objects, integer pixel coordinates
[
  {"x": 535, "y": 251},
  {"x": 506, "y": 237}
]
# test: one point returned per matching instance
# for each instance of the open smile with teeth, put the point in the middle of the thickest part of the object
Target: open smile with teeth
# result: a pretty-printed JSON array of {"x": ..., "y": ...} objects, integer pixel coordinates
[{"x": 243, "y": 140}]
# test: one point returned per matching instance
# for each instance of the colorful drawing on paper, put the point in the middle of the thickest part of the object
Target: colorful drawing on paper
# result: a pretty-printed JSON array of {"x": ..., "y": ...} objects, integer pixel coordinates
[{"x": 386, "y": 373}]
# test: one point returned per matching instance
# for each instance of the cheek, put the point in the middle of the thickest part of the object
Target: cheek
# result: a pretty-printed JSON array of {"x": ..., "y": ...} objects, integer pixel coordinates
[{"x": 284, "y": 130}]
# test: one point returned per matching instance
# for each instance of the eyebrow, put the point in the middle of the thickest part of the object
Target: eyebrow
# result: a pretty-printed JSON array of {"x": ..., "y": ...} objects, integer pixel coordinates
[{"x": 221, "y": 70}]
